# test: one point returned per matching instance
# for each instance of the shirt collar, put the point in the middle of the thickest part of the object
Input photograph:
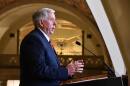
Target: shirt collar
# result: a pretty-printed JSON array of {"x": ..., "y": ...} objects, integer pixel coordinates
[{"x": 48, "y": 39}]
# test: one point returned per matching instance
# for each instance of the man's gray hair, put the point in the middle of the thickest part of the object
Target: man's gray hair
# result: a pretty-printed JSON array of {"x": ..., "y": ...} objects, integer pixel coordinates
[{"x": 43, "y": 13}]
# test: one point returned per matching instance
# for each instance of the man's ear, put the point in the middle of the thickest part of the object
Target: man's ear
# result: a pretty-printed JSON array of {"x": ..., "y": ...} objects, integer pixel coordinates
[{"x": 44, "y": 24}]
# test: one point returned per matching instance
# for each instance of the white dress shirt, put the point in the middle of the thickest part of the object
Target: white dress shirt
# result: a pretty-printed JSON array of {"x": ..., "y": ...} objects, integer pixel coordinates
[{"x": 48, "y": 39}]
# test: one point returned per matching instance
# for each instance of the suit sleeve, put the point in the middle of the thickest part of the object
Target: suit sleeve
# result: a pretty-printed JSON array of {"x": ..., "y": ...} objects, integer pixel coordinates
[{"x": 36, "y": 62}]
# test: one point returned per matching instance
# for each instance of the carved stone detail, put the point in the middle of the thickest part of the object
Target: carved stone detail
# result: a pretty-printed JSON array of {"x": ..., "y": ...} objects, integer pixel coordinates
[
  {"x": 4, "y": 3},
  {"x": 80, "y": 5}
]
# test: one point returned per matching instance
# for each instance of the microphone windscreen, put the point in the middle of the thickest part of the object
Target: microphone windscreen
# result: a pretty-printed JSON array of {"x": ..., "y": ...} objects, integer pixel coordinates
[{"x": 78, "y": 43}]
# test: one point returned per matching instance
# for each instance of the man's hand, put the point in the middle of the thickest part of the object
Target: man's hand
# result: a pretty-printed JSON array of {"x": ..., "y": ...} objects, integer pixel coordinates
[
  {"x": 75, "y": 66},
  {"x": 79, "y": 64},
  {"x": 71, "y": 68}
]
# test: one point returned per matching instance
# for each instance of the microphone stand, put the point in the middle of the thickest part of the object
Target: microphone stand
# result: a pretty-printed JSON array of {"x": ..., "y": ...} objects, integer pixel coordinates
[{"x": 111, "y": 72}]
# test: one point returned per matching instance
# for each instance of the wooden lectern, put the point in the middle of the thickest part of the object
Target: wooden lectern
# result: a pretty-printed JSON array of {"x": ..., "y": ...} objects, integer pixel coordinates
[{"x": 99, "y": 81}]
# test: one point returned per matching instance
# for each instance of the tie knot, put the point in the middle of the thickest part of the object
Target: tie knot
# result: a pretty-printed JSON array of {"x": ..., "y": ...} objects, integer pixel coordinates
[{"x": 51, "y": 44}]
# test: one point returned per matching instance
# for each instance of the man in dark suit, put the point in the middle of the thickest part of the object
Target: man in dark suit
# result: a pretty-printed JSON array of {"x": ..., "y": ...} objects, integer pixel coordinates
[{"x": 39, "y": 65}]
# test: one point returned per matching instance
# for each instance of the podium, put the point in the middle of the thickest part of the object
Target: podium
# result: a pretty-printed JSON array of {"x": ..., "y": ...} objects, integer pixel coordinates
[{"x": 104, "y": 81}]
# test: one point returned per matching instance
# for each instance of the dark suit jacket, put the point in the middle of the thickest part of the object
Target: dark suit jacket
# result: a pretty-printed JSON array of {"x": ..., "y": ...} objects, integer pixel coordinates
[{"x": 39, "y": 65}]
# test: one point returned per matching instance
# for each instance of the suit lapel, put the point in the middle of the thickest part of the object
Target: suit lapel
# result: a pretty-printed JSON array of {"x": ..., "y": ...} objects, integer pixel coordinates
[{"x": 45, "y": 41}]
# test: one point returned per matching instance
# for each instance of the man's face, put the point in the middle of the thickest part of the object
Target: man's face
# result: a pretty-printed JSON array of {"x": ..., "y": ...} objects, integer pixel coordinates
[{"x": 49, "y": 25}]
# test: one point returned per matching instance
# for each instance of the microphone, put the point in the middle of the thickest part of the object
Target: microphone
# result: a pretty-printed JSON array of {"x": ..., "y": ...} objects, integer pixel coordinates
[{"x": 111, "y": 72}]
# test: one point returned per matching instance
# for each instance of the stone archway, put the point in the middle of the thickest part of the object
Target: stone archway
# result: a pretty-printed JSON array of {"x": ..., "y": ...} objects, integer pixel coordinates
[{"x": 22, "y": 15}]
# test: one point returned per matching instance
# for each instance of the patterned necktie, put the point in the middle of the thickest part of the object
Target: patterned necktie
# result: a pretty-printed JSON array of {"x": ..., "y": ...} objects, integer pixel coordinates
[{"x": 52, "y": 46}]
